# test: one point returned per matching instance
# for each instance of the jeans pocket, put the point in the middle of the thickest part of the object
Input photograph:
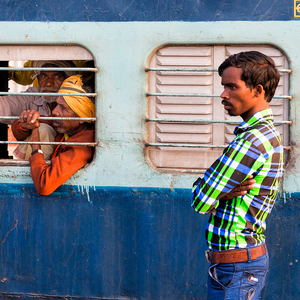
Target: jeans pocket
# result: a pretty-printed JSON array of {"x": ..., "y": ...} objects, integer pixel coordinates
[
  {"x": 252, "y": 283},
  {"x": 222, "y": 273}
]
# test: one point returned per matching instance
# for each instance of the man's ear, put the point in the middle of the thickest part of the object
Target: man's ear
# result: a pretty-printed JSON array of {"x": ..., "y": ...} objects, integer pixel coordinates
[{"x": 259, "y": 90}]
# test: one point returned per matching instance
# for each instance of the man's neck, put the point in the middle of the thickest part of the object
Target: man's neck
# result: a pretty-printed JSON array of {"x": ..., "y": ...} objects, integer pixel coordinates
[
  {"x": 51, "y": 105},
  {"x": 77, "y": 130},
  {"x": 263, "y": 105}
]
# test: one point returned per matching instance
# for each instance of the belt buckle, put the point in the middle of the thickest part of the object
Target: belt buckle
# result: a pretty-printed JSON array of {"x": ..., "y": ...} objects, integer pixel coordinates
[{"x": 207, "y": 255}]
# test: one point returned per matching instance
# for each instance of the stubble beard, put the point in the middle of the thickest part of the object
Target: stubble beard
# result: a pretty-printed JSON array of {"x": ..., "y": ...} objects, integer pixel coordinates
[
  {"x": 49, "y": 99},
  {"x": 60, "y": 129}
]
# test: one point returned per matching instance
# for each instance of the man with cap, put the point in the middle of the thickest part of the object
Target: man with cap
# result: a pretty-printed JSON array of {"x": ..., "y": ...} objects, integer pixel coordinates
[
  {"x": 66, "y": 159},
  {"x": 48, "y": 82}
]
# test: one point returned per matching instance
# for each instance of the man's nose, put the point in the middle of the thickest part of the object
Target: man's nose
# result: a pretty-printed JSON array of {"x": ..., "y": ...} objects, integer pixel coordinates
[
  {"x": 55, "y": 112},
  {"x": 50, "y": 81},
  {"x": 224, "y": 95}
]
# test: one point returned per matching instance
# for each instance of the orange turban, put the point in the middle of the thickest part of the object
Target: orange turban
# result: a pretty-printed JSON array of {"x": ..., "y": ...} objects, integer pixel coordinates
[{"x": 81, "y": 105}]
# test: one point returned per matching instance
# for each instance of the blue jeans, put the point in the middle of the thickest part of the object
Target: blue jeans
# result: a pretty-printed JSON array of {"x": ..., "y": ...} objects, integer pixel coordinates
[{"x": 237, "y": 281}]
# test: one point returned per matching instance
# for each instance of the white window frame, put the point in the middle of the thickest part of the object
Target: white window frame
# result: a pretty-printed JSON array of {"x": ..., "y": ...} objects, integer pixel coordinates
[
  {"x": 164, "y": 151},
  {"x": 19, "y": 53}
]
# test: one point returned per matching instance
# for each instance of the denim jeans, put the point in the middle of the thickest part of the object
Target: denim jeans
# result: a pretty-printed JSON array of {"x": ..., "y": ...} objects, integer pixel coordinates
[{"x": 237, "y": 281}]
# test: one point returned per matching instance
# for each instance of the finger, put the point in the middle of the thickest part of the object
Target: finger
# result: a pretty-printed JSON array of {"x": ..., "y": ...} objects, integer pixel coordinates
[
  {"x": 239, "y": 193},
  {"x": 248, "y": 180},
  {"x": 23, "y": 116},
  {"x": 248, "y": 183},
  {"x": 29, "y": 116},
  {"x": 34, "y": 117},
  {"x": 245, "y": 187}
]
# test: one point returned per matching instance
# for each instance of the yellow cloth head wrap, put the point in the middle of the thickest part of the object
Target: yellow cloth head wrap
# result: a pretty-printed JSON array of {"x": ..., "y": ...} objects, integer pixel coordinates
[{"x": 81, "y": 105}]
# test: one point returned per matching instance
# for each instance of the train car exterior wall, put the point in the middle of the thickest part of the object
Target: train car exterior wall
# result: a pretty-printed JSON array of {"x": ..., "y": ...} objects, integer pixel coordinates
[{"x": 120, "y": 229}]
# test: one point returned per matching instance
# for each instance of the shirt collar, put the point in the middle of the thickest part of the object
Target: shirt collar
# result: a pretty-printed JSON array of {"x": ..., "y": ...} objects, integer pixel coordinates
[
  {"x": 258, "y": 117},
  {"x": 38, "y": 101}
]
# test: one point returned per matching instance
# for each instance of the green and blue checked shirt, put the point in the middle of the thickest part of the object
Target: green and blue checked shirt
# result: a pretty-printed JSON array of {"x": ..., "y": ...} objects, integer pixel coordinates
[{"x": 256, "y": 150}]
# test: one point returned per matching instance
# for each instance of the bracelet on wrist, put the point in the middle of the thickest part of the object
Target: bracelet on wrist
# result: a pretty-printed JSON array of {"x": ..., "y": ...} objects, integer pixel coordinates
[
  {"x": 19, "y": 127},
  {"x": 37, "y": 151}
]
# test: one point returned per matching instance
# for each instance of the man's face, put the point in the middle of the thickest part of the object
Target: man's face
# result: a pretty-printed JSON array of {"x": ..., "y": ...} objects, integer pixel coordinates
[
  {"x": 50, "y": 82},
  {"x": 62, "y": 109},
  {"x": 238, "y": 99}
]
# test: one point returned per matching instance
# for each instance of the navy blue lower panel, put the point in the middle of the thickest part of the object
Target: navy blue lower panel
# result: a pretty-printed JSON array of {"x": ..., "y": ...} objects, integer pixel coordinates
[{"x": 139, "y": 243}]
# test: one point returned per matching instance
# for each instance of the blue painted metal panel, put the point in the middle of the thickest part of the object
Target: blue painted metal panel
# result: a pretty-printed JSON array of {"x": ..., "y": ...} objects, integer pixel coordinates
[
  {"x": 150, "y": 10},
  {"x": 122, "y": 242}
]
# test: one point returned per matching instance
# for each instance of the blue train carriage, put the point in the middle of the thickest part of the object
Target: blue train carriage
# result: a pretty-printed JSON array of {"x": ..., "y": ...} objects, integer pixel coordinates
[{"x": 122, "y": 226}]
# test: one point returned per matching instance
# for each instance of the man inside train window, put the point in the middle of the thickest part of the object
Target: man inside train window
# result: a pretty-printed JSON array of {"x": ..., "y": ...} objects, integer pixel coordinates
[
  {"x": 48, "y": 81},
  {"x": 44, "y": 81},
  {"x": 234, "y": 233},
  {"x": 66, "y": 159}
]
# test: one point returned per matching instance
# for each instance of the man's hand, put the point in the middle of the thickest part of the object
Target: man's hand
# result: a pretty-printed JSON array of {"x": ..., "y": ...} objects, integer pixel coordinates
[
  {"x": 28, "y": 119},
  {"x": 241, "y": 189}
]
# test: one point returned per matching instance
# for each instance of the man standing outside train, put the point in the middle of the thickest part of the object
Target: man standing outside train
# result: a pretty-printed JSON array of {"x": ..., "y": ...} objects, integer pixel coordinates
[{"x": 234, "y": 233}]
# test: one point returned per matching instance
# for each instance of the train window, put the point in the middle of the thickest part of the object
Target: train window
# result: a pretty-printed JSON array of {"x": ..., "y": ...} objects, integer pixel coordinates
[
  {"x": 187, "y": 125},
  {"x": 16, "y": 67}
]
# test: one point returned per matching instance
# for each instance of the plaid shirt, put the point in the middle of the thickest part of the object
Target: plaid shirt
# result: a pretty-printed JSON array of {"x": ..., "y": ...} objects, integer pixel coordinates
[{"x": 256, "y": 150}]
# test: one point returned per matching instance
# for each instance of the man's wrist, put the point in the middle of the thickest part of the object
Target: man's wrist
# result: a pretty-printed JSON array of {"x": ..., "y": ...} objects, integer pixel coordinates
[
  {"x": 37, "y": 151},
  {"x": 21, "y": 128}
]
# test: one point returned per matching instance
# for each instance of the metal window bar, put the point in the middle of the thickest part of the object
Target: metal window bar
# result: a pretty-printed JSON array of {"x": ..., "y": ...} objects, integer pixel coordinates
[
  {"x": 48, "y": 69},
  {"x": 52, "y": 143},
  {"x": 193, "y": 145},
  {"x": 50, "y": 94},
  {"x": 205, "y": 121},
  {"x": 207, "y": 95},
  {"x": 52, "y": 118},
  {"x": 198, "y": 70}
]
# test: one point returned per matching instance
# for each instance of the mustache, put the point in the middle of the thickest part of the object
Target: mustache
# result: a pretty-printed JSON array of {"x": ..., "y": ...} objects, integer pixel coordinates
[
  {"x": 56, "y": 121},
  {"x": 49, "y": 90},
  {"x": 224, "y": 102}
]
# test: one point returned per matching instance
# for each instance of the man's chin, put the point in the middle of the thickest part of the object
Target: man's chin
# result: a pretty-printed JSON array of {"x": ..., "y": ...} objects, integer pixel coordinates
[
  {"x": 231, "y": 113},
  {"x": 49, "y": 99},
  {"x": 59, "y": 129}
]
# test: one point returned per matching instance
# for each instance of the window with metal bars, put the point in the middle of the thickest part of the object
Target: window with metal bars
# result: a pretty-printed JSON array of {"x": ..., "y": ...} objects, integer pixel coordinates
[
  {"x": 188, "y": 127},
  {"x": 12, "y": 59}
]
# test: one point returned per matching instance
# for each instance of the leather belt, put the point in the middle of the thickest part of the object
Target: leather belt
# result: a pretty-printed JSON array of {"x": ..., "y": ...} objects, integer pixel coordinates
[{"x": 237, "y": 255}]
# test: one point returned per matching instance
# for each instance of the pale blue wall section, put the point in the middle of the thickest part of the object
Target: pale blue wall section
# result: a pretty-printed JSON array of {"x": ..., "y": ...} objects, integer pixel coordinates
[{"x": 121, "y": 52}]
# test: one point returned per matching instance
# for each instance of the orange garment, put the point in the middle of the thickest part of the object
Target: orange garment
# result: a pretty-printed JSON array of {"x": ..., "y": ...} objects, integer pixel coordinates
[
  {"x": 47, "y": 178},
  {"x": 69, "y": 159}
]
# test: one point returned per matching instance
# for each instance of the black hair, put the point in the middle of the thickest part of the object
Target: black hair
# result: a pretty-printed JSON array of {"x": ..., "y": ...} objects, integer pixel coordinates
[{"x": 257, "y": 68}]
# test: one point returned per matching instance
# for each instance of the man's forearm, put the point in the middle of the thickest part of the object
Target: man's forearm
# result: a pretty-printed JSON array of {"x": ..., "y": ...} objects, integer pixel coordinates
[{"x": 35, "y": 137}]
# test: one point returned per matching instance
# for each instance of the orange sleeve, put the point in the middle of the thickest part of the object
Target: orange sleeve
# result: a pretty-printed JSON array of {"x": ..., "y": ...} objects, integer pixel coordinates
[{"x": 47, "y": 178}]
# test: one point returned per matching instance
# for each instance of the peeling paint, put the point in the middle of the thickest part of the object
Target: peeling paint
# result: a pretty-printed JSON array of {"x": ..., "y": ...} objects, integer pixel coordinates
[{"x": 85, "y": 190}]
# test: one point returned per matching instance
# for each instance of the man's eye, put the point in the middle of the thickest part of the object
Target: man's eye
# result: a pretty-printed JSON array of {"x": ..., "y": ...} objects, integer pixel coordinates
[{"x": 59, "y": 76}]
